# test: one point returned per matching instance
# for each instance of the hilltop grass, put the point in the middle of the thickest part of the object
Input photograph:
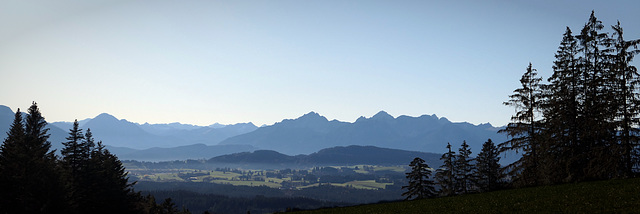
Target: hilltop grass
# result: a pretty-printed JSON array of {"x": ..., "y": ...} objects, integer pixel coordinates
[{"x": 612, "y": 196}]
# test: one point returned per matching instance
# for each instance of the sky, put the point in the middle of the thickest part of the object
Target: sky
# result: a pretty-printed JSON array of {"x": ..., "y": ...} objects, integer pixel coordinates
[{"x": 205, "y": 62}]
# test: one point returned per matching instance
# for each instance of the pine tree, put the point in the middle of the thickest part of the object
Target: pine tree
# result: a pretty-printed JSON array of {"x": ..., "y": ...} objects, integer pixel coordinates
[
  {"x": 444, "y": 175},
  {"x": 419, "y": 184},
  {"x": 76, "y": 163},
  {"x": 562, "y": 113},
  {"x": 73, "y": 154},
  {"x": 88, "y": 145},
  {"x": 464, "y": 169},
  {"x": 525, "y": 129},
  {"x": 10, "y": 170},
  {"x": 488, "y": 173},
  {"x": 596, "y": 154},
  {"x": 628, "y": 97}
]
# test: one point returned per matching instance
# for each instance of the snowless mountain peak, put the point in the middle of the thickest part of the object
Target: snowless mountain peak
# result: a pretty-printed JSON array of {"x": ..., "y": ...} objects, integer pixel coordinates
[
  {"x": 312, "y": 116},
  {"x": 382, "y": 115},
  {"x": 105, "y": 116}
]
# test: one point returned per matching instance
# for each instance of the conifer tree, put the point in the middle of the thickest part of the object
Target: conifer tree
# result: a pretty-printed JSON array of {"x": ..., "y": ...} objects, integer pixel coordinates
[
  {"x": 562, "y": 113},
  {"x": 11, "y": 171},
  {"x": 525, "y": 129},
  {"x": 88, "y": 145},
  {"x": 77, "y": 166},
  {"x": 74, "y": 154},
  {"x": 596, "y": 153},
  {"x": 73, "y": 166},
  {"x": 419, "y": 184},
  {"x": 444, "y": 175},
  {"x": 464, "y": 169},
  {"x": 628, "y": 97},
  {"x": 488, "y": 173}
]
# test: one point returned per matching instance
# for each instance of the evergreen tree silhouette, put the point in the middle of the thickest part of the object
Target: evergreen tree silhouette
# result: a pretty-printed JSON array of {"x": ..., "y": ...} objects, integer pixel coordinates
[
  {"x": 74, "y": 168},
  {"x": 627, "y": 80},
  {"x": 524, "y": 130},
  {"x": 563, "y": 113},
  {"x": 445, "y": 174},
  {"x": 11, "y": 172},
  {"x": 419, "y": 186},
  {"x": 464, "y": 170},
  {"x": 488, "y": 171},
  {"x": 596, "y": 150}
]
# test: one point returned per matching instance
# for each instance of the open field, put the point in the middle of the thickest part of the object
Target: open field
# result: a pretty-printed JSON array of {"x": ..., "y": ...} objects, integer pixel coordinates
[
  {"x": 613, "y": 196},
  {"x": 287, "y": 179}
]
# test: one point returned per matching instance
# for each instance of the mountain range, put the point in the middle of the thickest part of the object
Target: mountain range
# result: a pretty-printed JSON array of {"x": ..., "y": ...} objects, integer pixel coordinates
[
  {"x": 304, "y": 135},
  {"x": 122, "y": 133},
  {"x": 312, "y": 132}
]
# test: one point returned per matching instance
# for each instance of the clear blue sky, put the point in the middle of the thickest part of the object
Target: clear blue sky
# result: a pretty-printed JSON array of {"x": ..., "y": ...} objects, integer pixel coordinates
[{"x": 201, "y": 62}]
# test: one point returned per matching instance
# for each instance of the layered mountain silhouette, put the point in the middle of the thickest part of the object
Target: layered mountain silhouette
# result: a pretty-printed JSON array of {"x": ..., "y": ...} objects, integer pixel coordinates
[
  {"x": 304, "y": 135},
  {"x": 122, "y": 133},
  {"x": 146, "y": 142},
  {"x": 312, "y": 132}
]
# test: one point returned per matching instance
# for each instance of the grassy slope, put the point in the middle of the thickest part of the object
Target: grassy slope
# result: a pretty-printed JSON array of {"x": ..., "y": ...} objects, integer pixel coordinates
[{"x": 613, "y": 196}]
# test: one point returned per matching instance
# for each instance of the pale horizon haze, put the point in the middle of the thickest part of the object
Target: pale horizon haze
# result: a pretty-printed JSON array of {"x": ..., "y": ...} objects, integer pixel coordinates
[{"x": 206, "y": 62}]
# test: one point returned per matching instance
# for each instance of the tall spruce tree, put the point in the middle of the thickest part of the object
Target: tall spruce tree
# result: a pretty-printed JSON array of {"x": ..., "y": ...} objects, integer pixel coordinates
[
  {"x": 11, "y": 170},
  {"x": 445, "y": 174},
  {"x": 627, "y": 97},
  {"x": 74, "y": 155},
  {"x": 419, "y": 186},
  {"x": 596, "y": 153},
  {"x": 488, "y": 174},
  {"x": 75, "y": 162},
  {"x": 464, "y": 170},
  {"x": 525, "y": 129},
  {"x": 562, "y": 113}
]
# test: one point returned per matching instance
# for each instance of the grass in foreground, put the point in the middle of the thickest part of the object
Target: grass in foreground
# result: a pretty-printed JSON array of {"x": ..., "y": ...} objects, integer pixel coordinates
[{"x": 613, "y": 196}]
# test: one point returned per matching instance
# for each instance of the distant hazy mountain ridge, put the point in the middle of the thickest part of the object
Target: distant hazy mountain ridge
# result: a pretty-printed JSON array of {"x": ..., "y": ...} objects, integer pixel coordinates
[
  {"x": 312, "y": 132},
  {"x": 122, "y": 133},
  {"x": 309, "y": 133}
]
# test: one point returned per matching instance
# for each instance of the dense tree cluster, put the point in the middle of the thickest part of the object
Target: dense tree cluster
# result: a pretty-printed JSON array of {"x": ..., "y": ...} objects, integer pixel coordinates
[
  {"x": 459, "y": 174},
  {"x": 583, "y": 123},
  {"x": 86, "y": 179},
  {"x": 29, "y": 176}
]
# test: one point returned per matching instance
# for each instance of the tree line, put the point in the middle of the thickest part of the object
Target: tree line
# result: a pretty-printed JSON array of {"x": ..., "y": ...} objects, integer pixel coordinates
[
  {"x": 582, "y": 124},
  {"x": 86, "y": 178}
]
